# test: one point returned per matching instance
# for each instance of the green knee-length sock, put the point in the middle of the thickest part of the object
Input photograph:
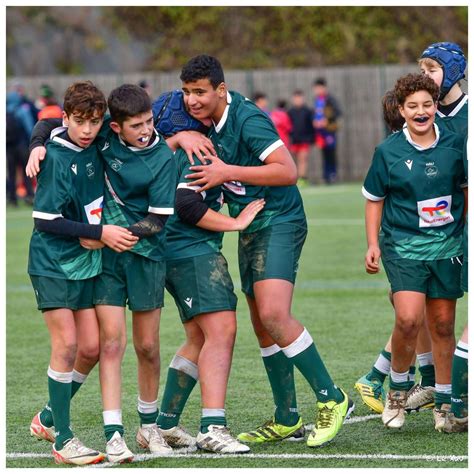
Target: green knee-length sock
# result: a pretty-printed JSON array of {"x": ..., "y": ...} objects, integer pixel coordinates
[
  {"x": 459, "y": 378},
  {"x": 304, "y": 355},
  {"x": 182, "y": 377},
  {"x": 281, "y": 376},
  {"x": 59, "y": 385}
]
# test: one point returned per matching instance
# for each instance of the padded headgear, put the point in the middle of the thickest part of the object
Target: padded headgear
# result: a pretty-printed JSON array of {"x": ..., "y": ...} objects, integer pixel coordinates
[{"x": 452, "y": 60}]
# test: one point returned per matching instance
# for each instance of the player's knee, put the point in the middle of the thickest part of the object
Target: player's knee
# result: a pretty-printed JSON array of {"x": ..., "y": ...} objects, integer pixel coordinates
[
  {"x": 67, "y": 352},
  {"x": 89, "y": 353},
  {"x": 148, "y": 349},
  {"x": 408, "y": 325},
  {"x": 444, "y": 327},
  {"x": 112, "y": 348}
]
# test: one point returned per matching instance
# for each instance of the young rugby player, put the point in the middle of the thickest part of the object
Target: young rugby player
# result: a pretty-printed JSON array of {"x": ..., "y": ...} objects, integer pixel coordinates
[
  {"x": 140, "y": 176},
  {"x": 445, "y": 64},
  {"x": 68, "y": 205},
  {"x": 254, "y": 163},
  {"x": 198, "y": 279},
  {"x": 421, "y": 235}
]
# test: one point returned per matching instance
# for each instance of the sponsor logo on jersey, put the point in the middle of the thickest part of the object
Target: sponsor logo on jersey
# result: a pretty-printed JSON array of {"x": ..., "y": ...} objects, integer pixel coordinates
[
  {"x": 90, "y": 170},
  {"x": 409, "y": 164},
  {"x": 236, "y": 187},
  {"x": 431, "y": 170},
  {"x": 189, "y": 302},
  {"x": 116, "y": 164},
  {"x": 435, "y": 212},
  {"x": 74, "y": 168},
  {"x": 94, "y": 210}
]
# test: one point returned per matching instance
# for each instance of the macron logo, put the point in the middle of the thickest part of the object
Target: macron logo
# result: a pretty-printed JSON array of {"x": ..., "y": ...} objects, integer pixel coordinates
[
  {"x": 409, "y": 164},
  {"x": 74, "y": 168},
  {"x": 189, "y": 302},
  {"x": 107, "y": 144},
  {"x": 323, "y": 392}
]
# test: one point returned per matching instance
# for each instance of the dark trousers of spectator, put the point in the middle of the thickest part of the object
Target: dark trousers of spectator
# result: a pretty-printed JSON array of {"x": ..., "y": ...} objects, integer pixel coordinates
[
  {"x": 17, "y": 155},
  {"x": 329, "y": 165}
]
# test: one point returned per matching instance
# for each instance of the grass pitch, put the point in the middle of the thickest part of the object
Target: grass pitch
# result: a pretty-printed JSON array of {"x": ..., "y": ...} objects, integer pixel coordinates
[{"x": 346, "y": 311}]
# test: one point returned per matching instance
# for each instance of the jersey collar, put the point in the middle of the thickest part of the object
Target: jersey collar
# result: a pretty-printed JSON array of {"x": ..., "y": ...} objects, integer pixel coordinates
[
  {"x": 415, "y": 145},
  {"x": 455, "y": 110},
  {"x": 223, "y": 119},
  {"x": 55, "y": 138}
]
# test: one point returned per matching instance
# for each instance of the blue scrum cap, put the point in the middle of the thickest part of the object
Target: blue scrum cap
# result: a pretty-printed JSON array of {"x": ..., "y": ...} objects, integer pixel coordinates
[{"x": 452, "y": 60}]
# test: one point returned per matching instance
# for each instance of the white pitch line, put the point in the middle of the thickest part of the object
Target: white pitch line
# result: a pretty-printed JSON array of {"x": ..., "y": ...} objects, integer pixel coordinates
[{"x": 374, "y": 457}]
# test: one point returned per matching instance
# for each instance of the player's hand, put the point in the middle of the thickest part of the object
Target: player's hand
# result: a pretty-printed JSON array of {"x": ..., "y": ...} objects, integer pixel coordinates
[
  {"x": 196, "y": 143},
  {"x": 37, "y": 155},
  {"x": 372, "y": 259},
  {"x": 118, "y": 238},
  {"x": 209, "y": 176},
  {"x": 248, "y": 213},
  {"x": 91, "y": 244}
]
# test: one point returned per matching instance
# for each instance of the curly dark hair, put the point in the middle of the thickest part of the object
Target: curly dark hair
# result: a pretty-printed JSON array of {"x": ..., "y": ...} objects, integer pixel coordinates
[
  {"x": 203, "y": 67},
  {"x": 412, "y": 83},
  {"x": 391, "y": 114}
]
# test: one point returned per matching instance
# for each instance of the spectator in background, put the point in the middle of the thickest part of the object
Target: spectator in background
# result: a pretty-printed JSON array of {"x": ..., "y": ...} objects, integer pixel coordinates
[
  {"x": 326, "y": 115},
  {"x": 302, "y": 133},
  {"x": 261, "y": 101},
  {"x": 19, "y": 125},
  {"x": 49, "y": 105},
  {"x": 282, "y": 121},
  {"x": 144, "y": 84},
  {"x": 26, "y": 103}
]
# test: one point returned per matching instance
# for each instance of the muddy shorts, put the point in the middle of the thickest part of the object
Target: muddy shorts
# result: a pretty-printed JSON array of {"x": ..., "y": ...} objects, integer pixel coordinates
[
  {"x": 271, "y": 252},
  {"x": 129, "y": 278},
  {"x": 200, "y": 284}
]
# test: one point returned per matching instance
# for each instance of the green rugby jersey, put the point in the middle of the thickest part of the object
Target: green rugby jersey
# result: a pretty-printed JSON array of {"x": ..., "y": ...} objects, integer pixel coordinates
[
  {"x": 70, "y": 185},
  {"x": 187, "y": 240},
  {"x": 245, "y": 136},
  {"x": 424, "y": 201},
  {"x": 138, "y": 181},
  {"x": 457, "y": 120}
]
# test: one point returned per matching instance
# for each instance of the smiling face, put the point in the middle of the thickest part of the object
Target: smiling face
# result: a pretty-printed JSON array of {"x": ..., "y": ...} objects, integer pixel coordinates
[
  {"x": 136, "y": 130},
  {"x": 203, "y": 101},
  {"x": 81, "y": 130},
  {"x": 419, "y": 111}
]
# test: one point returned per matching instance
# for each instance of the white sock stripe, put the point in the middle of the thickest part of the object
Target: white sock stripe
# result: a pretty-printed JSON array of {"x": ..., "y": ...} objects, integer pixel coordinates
[
  {"x": 382, "y": 364},
  {"x": 208, "y": 412},
  {"x": 443, "y": 388},
  {"x": 302, "y": 342},
  {"x": 461, "y": 353},
  {"x": 399, "y": 377},
  {"x": 411, "y": 377},
  {"x": 78, "y": 377},
  {"x": 147, "y": 407},
  {"x": 269, "y": 351},
  {"x": 425, "y": 359},
  {"x": 463, "y": 345},
  {"x": 62, "y": 377},
  {"x": 112, "y": 417},
  {"x": 185, "y": 365}
]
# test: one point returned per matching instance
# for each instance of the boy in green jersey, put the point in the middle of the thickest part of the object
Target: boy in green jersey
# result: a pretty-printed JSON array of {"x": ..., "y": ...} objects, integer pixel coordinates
[
  {"x": 445, "y": 64},
  {"x": 140, "y": 176},
  {"x": 68, "y": 206},
  {"x": 254, "y": 163},
  {"x": 198, "y": 279},
  {"x": 414, "y": 190}
]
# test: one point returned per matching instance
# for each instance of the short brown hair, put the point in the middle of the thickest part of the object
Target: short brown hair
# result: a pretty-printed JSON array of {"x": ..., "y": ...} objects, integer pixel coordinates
[
  {"x": 411, "y": 83},
  {"x": 84, "y": 99}
]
